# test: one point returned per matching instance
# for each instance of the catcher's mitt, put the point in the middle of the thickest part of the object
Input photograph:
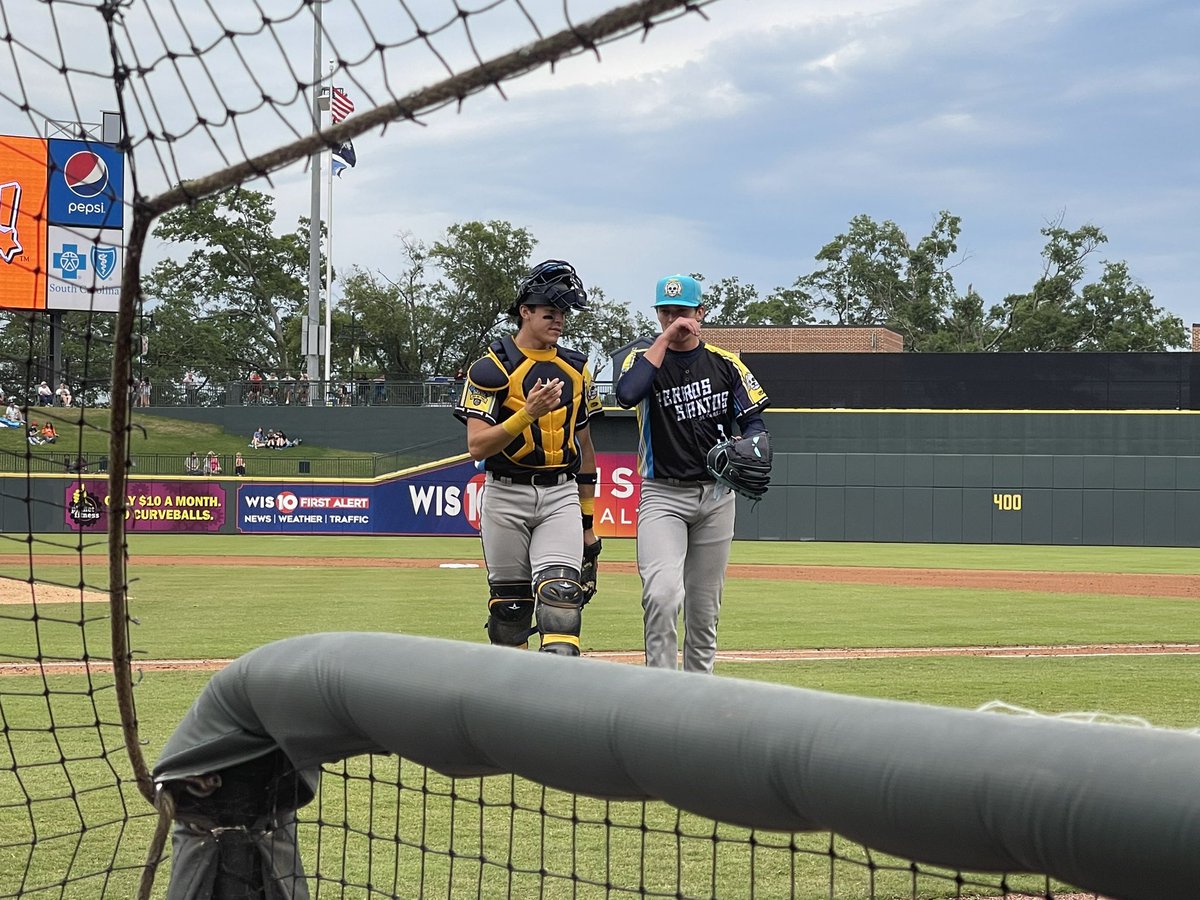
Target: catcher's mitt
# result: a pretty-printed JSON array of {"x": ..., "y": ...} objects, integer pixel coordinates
[
  {"x": 742, "y": 465},
  {"x": 587, "y": 574}
]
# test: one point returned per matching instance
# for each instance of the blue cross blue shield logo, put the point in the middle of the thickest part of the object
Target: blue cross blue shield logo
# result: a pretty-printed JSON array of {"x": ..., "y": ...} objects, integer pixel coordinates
[{"x": 104, "y": 260}]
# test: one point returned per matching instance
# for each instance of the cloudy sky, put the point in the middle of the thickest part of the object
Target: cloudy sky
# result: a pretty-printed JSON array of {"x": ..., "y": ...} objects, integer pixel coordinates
[{"x": 739, "y": 145}]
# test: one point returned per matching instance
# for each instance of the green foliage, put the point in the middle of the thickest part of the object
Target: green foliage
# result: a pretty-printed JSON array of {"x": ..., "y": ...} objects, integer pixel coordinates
[
  {"x": 450, "y": 300},
  {"x": 233, "y": 304},
  {"x": 86, "y": 432},
  {"x": 874, "y": 275}
]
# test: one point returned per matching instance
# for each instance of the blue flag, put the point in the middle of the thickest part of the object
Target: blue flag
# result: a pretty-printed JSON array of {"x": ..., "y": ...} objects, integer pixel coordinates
[{"x": 344, "y": 156}]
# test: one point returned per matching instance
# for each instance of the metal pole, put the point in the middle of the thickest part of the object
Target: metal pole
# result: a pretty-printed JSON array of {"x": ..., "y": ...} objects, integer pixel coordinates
[
  {"x": 329, "y": 255},
  {"x": 312, "y": 351}
]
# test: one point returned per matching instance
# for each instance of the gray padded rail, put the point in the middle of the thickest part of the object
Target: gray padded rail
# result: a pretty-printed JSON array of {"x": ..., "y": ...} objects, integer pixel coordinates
[{"x": 1108, "y": 808}]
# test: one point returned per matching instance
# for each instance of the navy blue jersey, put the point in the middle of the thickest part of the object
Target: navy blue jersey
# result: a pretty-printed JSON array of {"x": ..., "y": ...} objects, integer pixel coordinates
[{"x": 695, "y": 395}]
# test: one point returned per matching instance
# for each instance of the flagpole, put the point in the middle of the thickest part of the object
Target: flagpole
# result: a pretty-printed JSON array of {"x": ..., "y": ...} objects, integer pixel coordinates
[
  {"x": 329, "y": 258},
  {"x": 312, "y": 346}
]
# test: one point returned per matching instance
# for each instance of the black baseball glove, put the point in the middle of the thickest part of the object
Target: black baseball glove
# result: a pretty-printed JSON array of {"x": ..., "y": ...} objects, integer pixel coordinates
[
  {"x": 587, "y": 575},
  {"x": 743, "y": 465}
]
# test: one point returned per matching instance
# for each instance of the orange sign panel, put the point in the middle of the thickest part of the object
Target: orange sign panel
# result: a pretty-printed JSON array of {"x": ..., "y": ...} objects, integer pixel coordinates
[{"x": 23, "y": 184}]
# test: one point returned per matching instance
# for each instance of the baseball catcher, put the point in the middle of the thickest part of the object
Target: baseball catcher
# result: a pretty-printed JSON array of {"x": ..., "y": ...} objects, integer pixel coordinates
[{"x": 742, "y": 464}]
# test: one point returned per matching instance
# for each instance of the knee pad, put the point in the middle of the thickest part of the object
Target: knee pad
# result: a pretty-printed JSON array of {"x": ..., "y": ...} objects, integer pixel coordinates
[
  {"x": 510, "y": 614},
  {"x": 559, "y": 596}
]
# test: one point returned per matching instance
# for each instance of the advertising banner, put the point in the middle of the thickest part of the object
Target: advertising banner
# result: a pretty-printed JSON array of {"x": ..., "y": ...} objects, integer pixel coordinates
[
  {"x": 22, "y": 223},
  {"x": 176, "y": 506},
  {"x": 443, "y": 501},
  {"x": 85, "y": 269},
  {"x": 87, "y": 184}
]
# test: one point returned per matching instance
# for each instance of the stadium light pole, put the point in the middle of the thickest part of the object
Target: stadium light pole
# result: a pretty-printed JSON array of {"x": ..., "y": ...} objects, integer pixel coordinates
[{"x": 312, "y": 346}]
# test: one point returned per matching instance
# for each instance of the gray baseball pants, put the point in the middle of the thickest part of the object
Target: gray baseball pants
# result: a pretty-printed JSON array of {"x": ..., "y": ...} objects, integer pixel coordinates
[
  {"x": 526, "y": 528},
  {"x": 683, "y": 536}
]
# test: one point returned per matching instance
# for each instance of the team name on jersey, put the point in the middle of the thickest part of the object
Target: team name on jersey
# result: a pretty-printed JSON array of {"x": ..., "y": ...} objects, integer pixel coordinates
[{"x": 694, "y": 400}]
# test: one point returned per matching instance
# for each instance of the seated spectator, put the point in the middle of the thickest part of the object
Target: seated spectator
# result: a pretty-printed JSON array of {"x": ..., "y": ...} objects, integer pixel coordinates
[
  {"x": 13, "y": 416},
  {"x": 239, "y": 464},
  {"x": 213, "y": 463},
  {"x": 34, "y": 434},
  {"x": 192, "y": 464},
  {"x": 258, "y": 440},
  {"x": 277, "y": 440},
  {"x": 45, "y": 395},
  {"x": 63, "y": 394},
  {"x": 49, "y": 435}
]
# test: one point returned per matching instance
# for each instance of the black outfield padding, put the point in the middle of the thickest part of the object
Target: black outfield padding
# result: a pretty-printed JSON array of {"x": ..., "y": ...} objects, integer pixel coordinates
[{"x": 1107, "y": 808}]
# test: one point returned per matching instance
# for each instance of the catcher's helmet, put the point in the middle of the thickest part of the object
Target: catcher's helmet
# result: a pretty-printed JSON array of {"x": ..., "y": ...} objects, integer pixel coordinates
[{"x": 551, "y": 283}]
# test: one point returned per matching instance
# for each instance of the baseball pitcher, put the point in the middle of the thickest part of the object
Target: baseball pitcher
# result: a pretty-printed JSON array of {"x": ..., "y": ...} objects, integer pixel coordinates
[{"x": 688, "y": 395}]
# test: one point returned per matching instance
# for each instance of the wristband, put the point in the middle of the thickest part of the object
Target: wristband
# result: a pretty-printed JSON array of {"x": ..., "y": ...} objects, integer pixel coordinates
[
  {"x": 585, "y": 478},
  {"x": 589, "y": 522},
  {"x": 587, "y": 505},
  {"x": 517, "y": 422}
]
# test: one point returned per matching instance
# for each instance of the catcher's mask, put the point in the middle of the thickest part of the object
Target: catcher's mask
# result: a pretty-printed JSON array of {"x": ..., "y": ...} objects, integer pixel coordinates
[{"x": 550, "y": 283}]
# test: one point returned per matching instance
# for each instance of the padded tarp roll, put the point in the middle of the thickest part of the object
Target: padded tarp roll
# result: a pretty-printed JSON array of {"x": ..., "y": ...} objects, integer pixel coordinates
[{"x": 1108, "y": 808}]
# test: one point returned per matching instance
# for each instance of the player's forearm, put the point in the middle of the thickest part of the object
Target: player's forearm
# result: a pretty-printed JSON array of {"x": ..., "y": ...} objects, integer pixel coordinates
[
  {"x": 634, "y": 385},
  {"x": 485, "y": 440},
  {"x": 752, "y": 424}
]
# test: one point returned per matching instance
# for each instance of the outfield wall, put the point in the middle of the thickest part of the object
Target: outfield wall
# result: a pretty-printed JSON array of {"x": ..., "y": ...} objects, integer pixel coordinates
[{"x": 1094, "y": 478}]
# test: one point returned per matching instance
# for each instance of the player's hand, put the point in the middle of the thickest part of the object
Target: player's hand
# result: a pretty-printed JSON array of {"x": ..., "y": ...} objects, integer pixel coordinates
[
  {"x": 681, "y": 330},
  {"x": 543, "y": 397}
]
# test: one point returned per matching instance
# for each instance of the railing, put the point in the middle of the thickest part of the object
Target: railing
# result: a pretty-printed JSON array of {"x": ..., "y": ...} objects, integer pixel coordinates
[
  {"x": 272, "y": 392},
  {"x": 259, "y": 464}
]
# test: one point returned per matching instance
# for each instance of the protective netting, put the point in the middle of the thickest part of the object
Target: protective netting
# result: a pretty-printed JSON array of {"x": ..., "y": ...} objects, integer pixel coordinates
[
  {"x": 391, "y": 828},
  {"x": 200, "y": 98}
]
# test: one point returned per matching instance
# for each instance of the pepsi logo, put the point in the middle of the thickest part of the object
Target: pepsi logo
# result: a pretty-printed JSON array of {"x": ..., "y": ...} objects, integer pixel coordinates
[{"x": 86, "y": 174}]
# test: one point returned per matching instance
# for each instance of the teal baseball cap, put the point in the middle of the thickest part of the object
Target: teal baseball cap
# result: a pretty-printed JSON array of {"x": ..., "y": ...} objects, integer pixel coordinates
[{"x": 678, "y": 290}]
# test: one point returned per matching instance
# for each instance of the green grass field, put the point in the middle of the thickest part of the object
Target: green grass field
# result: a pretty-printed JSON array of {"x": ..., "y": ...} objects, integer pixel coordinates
[
  {"x": 86, "y": 431},
  {"x": 58, "y": 768}
]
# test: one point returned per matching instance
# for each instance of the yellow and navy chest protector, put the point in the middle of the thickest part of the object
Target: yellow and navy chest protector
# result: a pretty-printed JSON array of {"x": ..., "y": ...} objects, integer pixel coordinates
[{"x": 497, "y": 385}]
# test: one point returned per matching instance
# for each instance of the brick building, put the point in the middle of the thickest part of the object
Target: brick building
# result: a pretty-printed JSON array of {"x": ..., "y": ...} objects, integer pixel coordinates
[{"x": 804, "y": 338}]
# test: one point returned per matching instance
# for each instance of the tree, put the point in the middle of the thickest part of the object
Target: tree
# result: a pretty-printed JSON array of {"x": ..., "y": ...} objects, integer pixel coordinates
[
  {"x": 450, "y": 301},
  {"x": 604, "y": 327},
  {"x": 235, "y": 303},
  {"x": 400, "y": 323},
  {"x": 872, "y": 275},
  {"x": 1060, "y": 314},
  {"x": 481, "y": 264}
]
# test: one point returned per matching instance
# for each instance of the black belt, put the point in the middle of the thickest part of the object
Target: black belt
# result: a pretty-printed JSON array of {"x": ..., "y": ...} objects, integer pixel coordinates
[
  {"x": 677, "y": 482},
  {"x": 539, "y": 479}
]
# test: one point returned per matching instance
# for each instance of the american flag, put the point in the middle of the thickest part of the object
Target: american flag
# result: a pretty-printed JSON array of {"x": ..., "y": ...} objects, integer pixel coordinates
[{"x": 340, "y": 105}]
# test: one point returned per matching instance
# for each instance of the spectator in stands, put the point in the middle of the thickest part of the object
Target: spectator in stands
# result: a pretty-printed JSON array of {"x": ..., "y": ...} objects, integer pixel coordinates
[
  {"x": 212, "y": 462},
  {"x": 13, "y": 414},
  {"x": 302, "y": 389},
  {"x": 192, "y": 464},
  {"x": 48, "y": 434},
  {"x": 258, "y": 440},
  {"x": 34, "y": 434},
  {"x": 189, "y": 387},
  {"x": 288, "y": 385},
  {"x": 45, "y": 395},
  {"x": 144, "y": 392},
  {"x": 239, "y": 464},
  {"x": 254, "y": 393},
  {"x": 63, "y": 394}
]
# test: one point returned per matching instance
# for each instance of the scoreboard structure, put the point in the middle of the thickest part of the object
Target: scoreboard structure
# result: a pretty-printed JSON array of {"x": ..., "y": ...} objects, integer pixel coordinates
[{"x": 61, "y": 224}]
